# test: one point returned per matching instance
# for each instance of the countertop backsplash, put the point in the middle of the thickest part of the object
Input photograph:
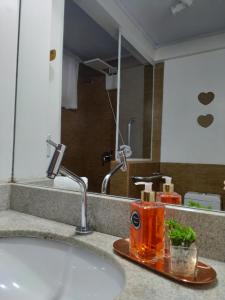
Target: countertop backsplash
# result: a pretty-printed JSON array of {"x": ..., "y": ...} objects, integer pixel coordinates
[
  {"x": 5, "y": 191},
  {"x": 110, "y": 215}
]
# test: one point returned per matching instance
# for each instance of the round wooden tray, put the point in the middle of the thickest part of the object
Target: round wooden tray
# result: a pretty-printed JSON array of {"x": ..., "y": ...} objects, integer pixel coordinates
[{"x": 204, "y": 274}]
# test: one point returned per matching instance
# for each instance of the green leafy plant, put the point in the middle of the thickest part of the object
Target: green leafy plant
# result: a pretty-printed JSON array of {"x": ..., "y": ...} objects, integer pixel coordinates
[
  {"x": 172, "y": 224},
  {"x": 180, "y": 235},
  {"x": 192, "y": 203}
]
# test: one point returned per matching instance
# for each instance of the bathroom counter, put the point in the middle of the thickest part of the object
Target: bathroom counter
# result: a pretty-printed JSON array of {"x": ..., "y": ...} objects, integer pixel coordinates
[{"x": 140, "y": 283}]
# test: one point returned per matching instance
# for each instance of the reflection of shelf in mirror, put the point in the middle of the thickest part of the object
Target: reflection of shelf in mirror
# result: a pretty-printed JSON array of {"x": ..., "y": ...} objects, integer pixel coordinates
[{"x": 101, "y": 66}]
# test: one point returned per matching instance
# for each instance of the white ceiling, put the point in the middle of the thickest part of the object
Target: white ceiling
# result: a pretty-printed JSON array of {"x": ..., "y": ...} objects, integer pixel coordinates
[
  {"x": 154, "y": 18},
  {"x": 84, "y": 37}
]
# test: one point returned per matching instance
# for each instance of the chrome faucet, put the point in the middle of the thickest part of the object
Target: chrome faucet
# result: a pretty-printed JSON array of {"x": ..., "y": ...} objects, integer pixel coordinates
[
  {"x": 121, "y": 165},
  {"x": 55, "y": 168}
]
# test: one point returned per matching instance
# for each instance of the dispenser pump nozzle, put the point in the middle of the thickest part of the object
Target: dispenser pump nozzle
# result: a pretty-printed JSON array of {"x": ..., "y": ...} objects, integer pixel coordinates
[
  {"x": 147, "y": 194},
  {"x": 168, "y": 186},
  {"x": 168, "y": 180},
  {"x": 148, "y": 185}
]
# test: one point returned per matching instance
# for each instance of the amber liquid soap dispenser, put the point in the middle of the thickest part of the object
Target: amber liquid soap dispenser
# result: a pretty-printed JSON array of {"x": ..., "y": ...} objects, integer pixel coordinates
[
  {"x": 168, "y": 196},
  {"x": 147, "y": 226}
]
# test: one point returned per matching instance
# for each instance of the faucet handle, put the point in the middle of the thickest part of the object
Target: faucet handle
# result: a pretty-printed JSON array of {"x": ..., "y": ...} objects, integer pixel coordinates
[
  {"x": 123, "y": 160},
  {"x": 153, "y": 178},
  {"x": 50, "y": 142},
  {"x": 56, "y": 160},
  {"x": 106, "y": 157}
]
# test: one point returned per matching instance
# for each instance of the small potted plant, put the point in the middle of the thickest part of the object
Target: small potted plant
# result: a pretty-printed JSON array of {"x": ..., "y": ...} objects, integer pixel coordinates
[
  {"x": 195, "y": 204},
  {"x": 183, "y": 251}
]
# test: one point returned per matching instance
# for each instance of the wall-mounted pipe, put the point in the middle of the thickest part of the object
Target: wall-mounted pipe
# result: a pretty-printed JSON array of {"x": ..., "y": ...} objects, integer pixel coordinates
[{"x": 129, "y": 130}]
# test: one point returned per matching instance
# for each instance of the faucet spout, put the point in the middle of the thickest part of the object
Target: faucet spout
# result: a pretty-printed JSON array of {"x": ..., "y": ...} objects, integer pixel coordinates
[
  {"x": 83, "y": 228},
  {"x": 55, "y": 168}
]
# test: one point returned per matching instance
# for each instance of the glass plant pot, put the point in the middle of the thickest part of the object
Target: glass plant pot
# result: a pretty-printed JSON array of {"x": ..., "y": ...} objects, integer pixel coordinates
[
  {"x": 183, "y": 260},
  {"x": 167, "y": 242}
]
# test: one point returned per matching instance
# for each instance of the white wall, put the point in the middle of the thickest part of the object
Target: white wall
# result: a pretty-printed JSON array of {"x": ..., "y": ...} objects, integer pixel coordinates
[
  {"x": 183, "y": 140},
  {"x": 39, "y": 86},
  {"x": 55, "y": 70},
  {"x": 9, "y": 12}
]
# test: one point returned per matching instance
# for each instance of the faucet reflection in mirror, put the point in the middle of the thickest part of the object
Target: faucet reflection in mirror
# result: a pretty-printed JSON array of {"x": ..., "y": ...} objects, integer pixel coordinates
[
  {"x": 55, "y": 168},
  {"x": 155, "y": 177},
  {"x": 122, "y": 165}
]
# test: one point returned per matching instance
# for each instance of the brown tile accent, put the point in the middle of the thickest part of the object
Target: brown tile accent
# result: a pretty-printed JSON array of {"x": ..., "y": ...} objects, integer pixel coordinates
[
  {"x": 202, "y": 178},
  {"x": 157, "y": 109},
  {"x": 90, "y": 130},
  {"x": 147, "y": 119},
  {"x": 119, "y": 182},
  {"x": 140, "y": 169}
]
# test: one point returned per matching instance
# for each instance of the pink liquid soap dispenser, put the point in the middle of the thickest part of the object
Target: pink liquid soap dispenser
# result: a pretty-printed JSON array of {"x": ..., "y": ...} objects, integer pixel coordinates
[{"x": 168, "y": 196}]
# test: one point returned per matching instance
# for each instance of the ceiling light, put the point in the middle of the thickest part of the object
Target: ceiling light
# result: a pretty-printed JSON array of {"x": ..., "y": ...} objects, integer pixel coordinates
[
  {"x": 177, "y": 8},
  {"x": 181, "y": 4},
  {"x": 187, "y": 2}
]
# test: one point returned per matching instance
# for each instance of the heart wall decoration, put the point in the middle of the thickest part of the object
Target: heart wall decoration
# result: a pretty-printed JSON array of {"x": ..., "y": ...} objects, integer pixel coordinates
[
  {"x": 205, "y": 120},
  {"x": 206, "y": 98}
]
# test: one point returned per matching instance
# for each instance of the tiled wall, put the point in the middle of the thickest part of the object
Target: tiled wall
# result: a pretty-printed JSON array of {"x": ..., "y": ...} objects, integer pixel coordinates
[
  {"x": 202, "y": 178},
  {"x": 148, "y": 101},
  {"x": 186, "y": 178},
  {"x": 90, "y": 130},
  {"x": 157, "y": 109}
]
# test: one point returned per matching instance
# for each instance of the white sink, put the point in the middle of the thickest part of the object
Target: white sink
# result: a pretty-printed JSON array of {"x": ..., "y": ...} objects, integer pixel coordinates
[{"x": 36, "y": 269}]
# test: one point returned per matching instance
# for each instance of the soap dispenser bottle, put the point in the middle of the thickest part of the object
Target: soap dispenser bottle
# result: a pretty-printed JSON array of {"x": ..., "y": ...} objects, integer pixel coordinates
[
  {"x": 168, "y": 195},
  {"x": 147, "y": 194},
  {"x": 147, "y": 226}
]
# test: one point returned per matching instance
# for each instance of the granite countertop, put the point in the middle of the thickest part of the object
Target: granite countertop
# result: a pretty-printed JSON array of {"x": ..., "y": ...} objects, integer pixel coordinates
[{"x": 141, "y": 284}]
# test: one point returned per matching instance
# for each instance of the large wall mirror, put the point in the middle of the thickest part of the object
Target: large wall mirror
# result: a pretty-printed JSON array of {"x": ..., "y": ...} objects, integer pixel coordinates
[{"x": 101, "y": 93}]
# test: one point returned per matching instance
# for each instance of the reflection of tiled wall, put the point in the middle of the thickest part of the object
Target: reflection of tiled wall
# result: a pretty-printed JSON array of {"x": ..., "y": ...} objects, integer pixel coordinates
[
  {"x": 186, "y": 177},
  {"x": 148, "y": 100},
  {"x": 157, "y": 109},
  {"x": 132, "y": 107},
  {"x": 90, "y": 130},
  {"x": 200, "y": 178},
  {"x": 121, "y": 183}
]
